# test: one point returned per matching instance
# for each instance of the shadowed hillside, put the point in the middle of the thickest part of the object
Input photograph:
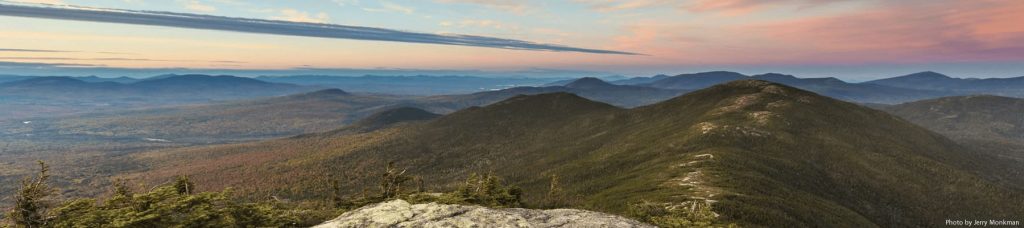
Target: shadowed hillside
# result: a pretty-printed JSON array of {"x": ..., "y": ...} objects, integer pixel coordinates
[
  {"x": 984, "y": 116},
  {"x": 991, "y": 124},
  {"x": 760, "y": 152}
]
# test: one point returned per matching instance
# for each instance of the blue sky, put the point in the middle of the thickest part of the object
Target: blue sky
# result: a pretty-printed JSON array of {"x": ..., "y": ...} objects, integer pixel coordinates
[{"x": 852, "y": 40}]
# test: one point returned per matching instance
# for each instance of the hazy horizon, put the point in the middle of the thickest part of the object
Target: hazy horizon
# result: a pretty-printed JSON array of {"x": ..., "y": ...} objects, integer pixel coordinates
[{"x": 850, "y": 40}]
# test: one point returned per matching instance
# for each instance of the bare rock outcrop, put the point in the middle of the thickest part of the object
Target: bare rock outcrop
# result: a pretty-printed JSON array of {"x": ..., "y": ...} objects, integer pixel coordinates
[{"x": 399, "y": 213}]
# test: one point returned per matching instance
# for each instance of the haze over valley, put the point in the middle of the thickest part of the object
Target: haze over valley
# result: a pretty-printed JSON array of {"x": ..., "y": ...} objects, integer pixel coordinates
[{"x": 511, "y": 113}]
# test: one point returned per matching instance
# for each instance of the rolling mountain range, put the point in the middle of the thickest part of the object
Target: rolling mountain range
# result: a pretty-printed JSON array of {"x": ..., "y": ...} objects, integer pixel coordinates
[
  {"x": 410, "y": 85},
  {"x": 762, "y": 153},
  {"x": 832, "y": 87},
  {"x": 590, "y": 88},
  {"x": 60, "y": 96},
  {"x": 203, "y": 87},
  {"x": 294, "y": 114},
  {"x": 935, "y": 81}
]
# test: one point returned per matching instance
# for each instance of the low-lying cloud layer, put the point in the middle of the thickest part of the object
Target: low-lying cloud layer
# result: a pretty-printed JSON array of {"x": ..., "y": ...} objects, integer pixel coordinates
[{"x": 248, "y": 25}]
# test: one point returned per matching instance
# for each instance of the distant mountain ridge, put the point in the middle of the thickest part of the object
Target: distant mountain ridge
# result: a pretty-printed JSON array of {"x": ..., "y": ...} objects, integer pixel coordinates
[
  {"x": 589, "y": 87},
  {"x": 957, "y": 86},
  {"x": 921, "y": 80},
  {"x": 310, "y": 112},
  {"x": 762, "y": 153},
  {"x": 422, "y": 85},
  {"x": 194, "y": 85},
  {"x": 36, "y": 97},
  {"x": 589, "y": 83},
  {"x": 895, "y": 90},
  {"x": 639, "y": 80}
]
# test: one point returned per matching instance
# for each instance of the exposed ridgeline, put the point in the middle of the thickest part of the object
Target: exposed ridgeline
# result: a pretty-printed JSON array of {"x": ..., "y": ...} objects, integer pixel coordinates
[
  {"x": 761, "y": 153},
  {"x": 590, "y": 88},
  {"x": 832, "y": 87}
]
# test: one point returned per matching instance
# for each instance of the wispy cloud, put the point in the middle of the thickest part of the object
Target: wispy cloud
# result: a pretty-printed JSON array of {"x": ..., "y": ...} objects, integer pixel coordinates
[
  {"x": 398, "y": 8},
  {"x": 56, "y": 51},
  {"x": 301, "y": 16},
  {"x": 196, "y": 5},
  {"x": 116, "y": 59},
  {"x": 486, "y": 24},
  {"x": 29, "y": 50},
  {"x": 248, "y": 25},
  {"x": 699, "y": 6},
  {"x": 5, "y": 64},
  {"x": 515, "y": 6},
  {"x": 55, "y": 2},
  {"x": 387, "y": 7}
]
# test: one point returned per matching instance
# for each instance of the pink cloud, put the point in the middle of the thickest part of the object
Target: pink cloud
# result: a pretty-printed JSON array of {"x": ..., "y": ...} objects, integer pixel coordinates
[
  {"x": 932, "y": 31},
  {"x": 729, "y": 7},
  {"x": 883, "y": 32}
]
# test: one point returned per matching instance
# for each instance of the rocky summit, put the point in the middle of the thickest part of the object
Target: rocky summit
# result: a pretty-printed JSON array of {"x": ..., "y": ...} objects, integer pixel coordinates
[{"x": 399, "y": 213}]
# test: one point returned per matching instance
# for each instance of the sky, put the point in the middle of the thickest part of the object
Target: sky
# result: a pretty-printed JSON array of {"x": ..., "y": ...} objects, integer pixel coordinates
[{"x": 851, "y": 40}]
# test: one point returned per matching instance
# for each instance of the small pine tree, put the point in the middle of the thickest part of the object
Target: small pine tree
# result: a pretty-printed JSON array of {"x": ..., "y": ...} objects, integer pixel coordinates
[
  {"x": 391, "y": 181},
  {"x": 31, "y": 203},
  {"x": 122, "y": 194},
  {"x": 487, "y": 190},
  {"x": 419, "y": 184},
  {"x": 694, "y": 213},
  {"x": 556, "y": 196},
  {"x": 184, "y": 185},
  {"x": 336, "y": 199}
]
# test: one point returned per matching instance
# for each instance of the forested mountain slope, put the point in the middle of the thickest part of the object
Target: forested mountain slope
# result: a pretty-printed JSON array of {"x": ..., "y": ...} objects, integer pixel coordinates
[{"x": 761, "y": 153}]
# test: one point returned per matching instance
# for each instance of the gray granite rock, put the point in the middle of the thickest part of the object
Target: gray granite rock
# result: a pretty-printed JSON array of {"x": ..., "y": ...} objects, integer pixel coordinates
[{"x": 399, "y": 213}]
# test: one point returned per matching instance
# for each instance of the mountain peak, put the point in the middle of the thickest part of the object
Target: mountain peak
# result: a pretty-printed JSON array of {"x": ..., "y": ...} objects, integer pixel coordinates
[
  {"x": 556, "y": 97},
  {"x": 750, "y": 84},
  {"x": 539, "y": 106},
  {"x": 695, "y": 80},
  {"x": 588, "y": 82},
  {"x": 775, "y": 76},
  {"x": 738, "y": 95},
  {"x": 330, "y": 92},
  {"x": 392, "y": 116},
  {"x": 715, "y": 74},
  {"x": 927, "y": 75}
]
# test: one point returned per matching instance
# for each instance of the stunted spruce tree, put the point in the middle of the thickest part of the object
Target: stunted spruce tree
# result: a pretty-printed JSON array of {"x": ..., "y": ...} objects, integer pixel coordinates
[{"x": 31, "y": 204}]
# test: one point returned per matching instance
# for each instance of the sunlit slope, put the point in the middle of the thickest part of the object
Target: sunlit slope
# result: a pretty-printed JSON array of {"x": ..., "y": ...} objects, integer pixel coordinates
[{"x": 763, "y": 153}]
